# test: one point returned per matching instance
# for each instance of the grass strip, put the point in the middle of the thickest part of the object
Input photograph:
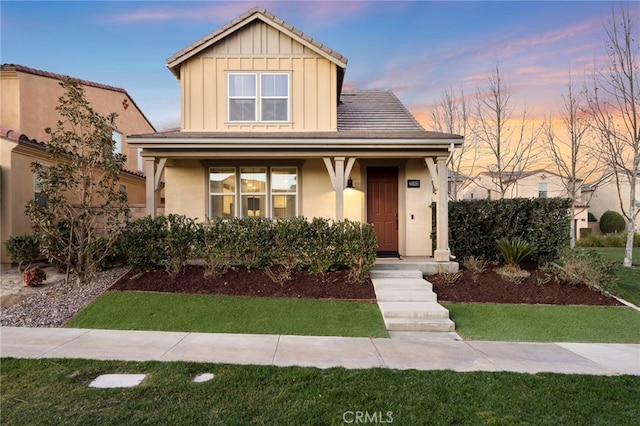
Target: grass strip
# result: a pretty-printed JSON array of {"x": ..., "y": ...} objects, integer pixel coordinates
[
  {"x": 224, "y": 314},
  {"x": 545, "y": 323},
  {"x": 55, "y": 391},
  {"x": 628, "y": 284}
]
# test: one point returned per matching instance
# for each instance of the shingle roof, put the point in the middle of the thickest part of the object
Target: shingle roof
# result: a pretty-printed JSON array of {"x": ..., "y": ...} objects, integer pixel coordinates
[
  {"x": 256, "y": 12},
  {"x": 41, "y": 73}
]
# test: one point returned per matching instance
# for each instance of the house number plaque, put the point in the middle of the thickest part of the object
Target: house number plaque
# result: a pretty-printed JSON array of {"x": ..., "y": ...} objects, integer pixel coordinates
[{"x": 413, "y": 183}]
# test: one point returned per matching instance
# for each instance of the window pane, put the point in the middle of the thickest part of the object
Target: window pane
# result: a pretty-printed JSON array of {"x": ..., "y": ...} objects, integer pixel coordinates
[
  {"x": 274, "y": 110},
  {"x": 284, "y": 179},
  {"x": 222, "y": 180},
  {"x": 243, "y": 85},
  {"x": 222, "y": 206},
  {"x": 274, "y": 85},
  {"x": 242, "y": 110},
  {"x": 253, "y": 179},
  {"x": 284, "y": 206},
  {"x": 254, "y": 205}
]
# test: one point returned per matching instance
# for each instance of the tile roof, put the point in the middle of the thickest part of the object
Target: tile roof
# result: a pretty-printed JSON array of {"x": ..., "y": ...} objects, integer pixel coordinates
[
  {"x": 41, "y": 73},
  {"x": 241, "y": 20},
  {"x": 362, "y": 114},
  {"x": 39, "y": 145},
  {"x": 374, "y": 110}
]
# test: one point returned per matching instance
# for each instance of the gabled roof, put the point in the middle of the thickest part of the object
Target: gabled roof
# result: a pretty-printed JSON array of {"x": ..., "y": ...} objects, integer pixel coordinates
[
  {"x": 262, "y": 14},
  {"x": 47, "y": 74},
  {"x": 514, "y": 176}
]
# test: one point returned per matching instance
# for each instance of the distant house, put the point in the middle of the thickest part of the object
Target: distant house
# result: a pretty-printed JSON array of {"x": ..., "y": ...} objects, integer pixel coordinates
[
  {"x": 603, "y": 196},
  {"x": 529, "y": 184},
  {"x": 28, "y": 100},
  {"x": 268, "y": 130}
]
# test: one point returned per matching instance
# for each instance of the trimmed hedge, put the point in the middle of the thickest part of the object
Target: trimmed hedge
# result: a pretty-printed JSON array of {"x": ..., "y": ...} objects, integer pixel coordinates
[
  {"x": 317, "y": 246},
  {"x": 612, "y": 222},
  {"x": 476, "y": 225}
]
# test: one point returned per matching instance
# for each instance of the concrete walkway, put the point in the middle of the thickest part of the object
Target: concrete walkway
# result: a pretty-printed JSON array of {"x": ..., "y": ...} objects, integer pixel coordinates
[{"x": 416, "y": 351}]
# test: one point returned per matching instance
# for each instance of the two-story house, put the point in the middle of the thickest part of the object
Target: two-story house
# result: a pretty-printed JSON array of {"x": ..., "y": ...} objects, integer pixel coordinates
[
  {"x": 268, "y": 130},
  {"x": 28, "y": 101}
]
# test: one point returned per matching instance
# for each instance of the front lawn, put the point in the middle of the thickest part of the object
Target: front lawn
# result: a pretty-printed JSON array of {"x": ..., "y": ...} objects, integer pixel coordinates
[
  {"x": 628, "y": 284},
  {"x": 545, "y": 323},
  {"x": 55, "y": 391},
  {"x": 225, "y": 314}
]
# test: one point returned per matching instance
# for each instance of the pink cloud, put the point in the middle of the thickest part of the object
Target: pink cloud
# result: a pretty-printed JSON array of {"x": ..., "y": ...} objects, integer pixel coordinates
[{"x": 203, "y": 12}]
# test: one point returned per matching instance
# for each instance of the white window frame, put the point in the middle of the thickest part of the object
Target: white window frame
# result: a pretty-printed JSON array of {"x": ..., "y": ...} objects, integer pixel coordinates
[
  {"x": 259, "y": 97},
  {"x": 117, "y": 138},
  {"x": 267, "y": 194},
  {"x": 272, "y": 193},
  {"x": 542, "y": 191},
  {"x": 140, "y": 160}
]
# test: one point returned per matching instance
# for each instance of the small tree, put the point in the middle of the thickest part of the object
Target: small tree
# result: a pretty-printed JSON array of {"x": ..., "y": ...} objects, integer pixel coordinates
[
  {"x": 614, "y": 103},
  {"x": 508, "y": 142},
  {"x": 80, "y": 186}
]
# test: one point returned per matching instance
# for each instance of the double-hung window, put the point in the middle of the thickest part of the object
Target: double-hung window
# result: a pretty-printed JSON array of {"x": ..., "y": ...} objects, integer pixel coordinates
[
  {"x": 542, "y": 190},
  {"x": 258, "y": 97},
  {"x": 38, "y": 186},
  {"x": 253, "y": 191}
]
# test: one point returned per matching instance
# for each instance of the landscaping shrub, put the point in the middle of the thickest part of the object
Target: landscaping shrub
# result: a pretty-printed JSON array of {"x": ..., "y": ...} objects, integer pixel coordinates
[
  {"x": 182, "y": 242},
  {"x": 216, "y": 250},
  {"x": 142, "y": 243},
  {"x": 588, "y": 267},
  {"x": 609, "y": 240},
  {"x": 23, "y": 248},
  {"x": 252, "y": 245},
  {"x": 356, "y": 247},
  {"x": 476, "y": 225},
  {"x": 289, "y": 248},
  {"x": 322, "y": 246},
  {"x": 515, "y": 250},
  {"x": 33, "y": 277},
  {"x": 612, "y": 222}
]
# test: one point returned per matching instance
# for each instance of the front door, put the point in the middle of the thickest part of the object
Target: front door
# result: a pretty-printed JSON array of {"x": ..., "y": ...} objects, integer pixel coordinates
[{"x": 382, "y": 207}]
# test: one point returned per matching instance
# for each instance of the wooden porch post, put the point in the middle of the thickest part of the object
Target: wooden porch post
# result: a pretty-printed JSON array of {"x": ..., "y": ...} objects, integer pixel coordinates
[
  {"x": 442, "y": 253},
  {"x": 150, "y": 172}
]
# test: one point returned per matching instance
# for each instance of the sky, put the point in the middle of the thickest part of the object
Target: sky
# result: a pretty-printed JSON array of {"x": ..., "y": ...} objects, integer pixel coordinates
[{"x": 418, "y": 49}]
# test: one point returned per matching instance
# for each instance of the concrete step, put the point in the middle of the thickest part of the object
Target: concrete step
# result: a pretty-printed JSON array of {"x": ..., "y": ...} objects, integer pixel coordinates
[
  {"x": 402, "y": 284},
  {"x": 399, "y": 295},
  {"x": 403, "y": 324},
  {"x": 404, "y": 273},
  {"x": 413, "y": 310}
]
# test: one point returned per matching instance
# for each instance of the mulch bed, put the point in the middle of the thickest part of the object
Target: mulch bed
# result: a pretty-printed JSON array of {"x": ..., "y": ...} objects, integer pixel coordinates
[
  {"x": 487, "y": 287},
  {"x": 254, "y": 283}
]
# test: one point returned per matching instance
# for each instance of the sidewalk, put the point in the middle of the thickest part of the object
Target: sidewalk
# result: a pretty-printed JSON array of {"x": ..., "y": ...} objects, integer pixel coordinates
[{"x": 415, "y": 352}]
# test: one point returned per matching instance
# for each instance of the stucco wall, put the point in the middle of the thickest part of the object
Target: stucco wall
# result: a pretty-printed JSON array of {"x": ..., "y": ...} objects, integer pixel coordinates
[
  {"x": 185, "y": 189},
  {"x": 605, "y": 197},
  {"x": 417, "y": 213}
]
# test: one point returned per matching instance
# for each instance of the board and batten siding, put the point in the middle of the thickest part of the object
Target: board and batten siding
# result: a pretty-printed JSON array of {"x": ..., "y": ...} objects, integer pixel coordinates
[{"x": 258, "y": 47}]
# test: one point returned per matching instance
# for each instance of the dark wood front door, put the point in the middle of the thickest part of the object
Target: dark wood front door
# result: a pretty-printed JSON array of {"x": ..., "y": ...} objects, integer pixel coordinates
[{"x": 382, "y": 206}]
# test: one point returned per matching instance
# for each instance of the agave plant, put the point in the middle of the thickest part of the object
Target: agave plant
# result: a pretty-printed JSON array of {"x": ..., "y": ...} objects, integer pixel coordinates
[{"x": 515, "y": 250}]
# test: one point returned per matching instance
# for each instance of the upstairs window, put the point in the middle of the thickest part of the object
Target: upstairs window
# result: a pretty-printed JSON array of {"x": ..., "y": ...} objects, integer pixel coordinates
[
  {"x": 258, "y": 97},
  {"x": 542, "y": 190},
  {"x": 117, "y": 138},
  {"x": 38, "y": 186}
]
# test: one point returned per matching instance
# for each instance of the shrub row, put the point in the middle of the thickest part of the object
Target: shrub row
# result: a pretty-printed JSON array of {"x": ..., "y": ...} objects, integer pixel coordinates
[
  {"x": 279, "y": 247},
  {"x": 609, "y": 240},
  {"x": 476, "y": 225}
]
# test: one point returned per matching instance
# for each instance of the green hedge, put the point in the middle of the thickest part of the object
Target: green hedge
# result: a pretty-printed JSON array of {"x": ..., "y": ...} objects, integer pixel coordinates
[
  {"x": 476, "y": 225},
  {"x": 316, "y": 246}
]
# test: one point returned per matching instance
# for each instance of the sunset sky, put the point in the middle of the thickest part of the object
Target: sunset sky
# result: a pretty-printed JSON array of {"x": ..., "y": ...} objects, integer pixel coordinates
[{"x": 418, "y": 49}]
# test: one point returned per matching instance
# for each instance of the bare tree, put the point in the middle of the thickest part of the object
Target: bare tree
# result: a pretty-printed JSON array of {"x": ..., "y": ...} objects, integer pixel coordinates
[
  {"x": 510, "y": 142},
  {"x": 451, "y": 115},
  {"x": 571, "y": 149},
  {"x": 614, "y": 101}
]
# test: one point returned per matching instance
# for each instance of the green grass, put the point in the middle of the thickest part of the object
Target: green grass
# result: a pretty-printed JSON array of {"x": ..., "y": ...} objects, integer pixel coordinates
[
  {"x": 545, "y": 323},
  {"x": 223, "y": 314},
  {"x": 55, "y": 391},
  {"x": 628, "y": 284}
]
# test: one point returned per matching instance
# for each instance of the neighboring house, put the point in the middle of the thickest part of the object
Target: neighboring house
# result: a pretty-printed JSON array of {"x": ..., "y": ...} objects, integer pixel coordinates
[
  {"x": 268, "y": 130},
  {"x": 530, "y": 184},
  {"x": 28, "y": 101},
  {"x": 603, "y": 195}
]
